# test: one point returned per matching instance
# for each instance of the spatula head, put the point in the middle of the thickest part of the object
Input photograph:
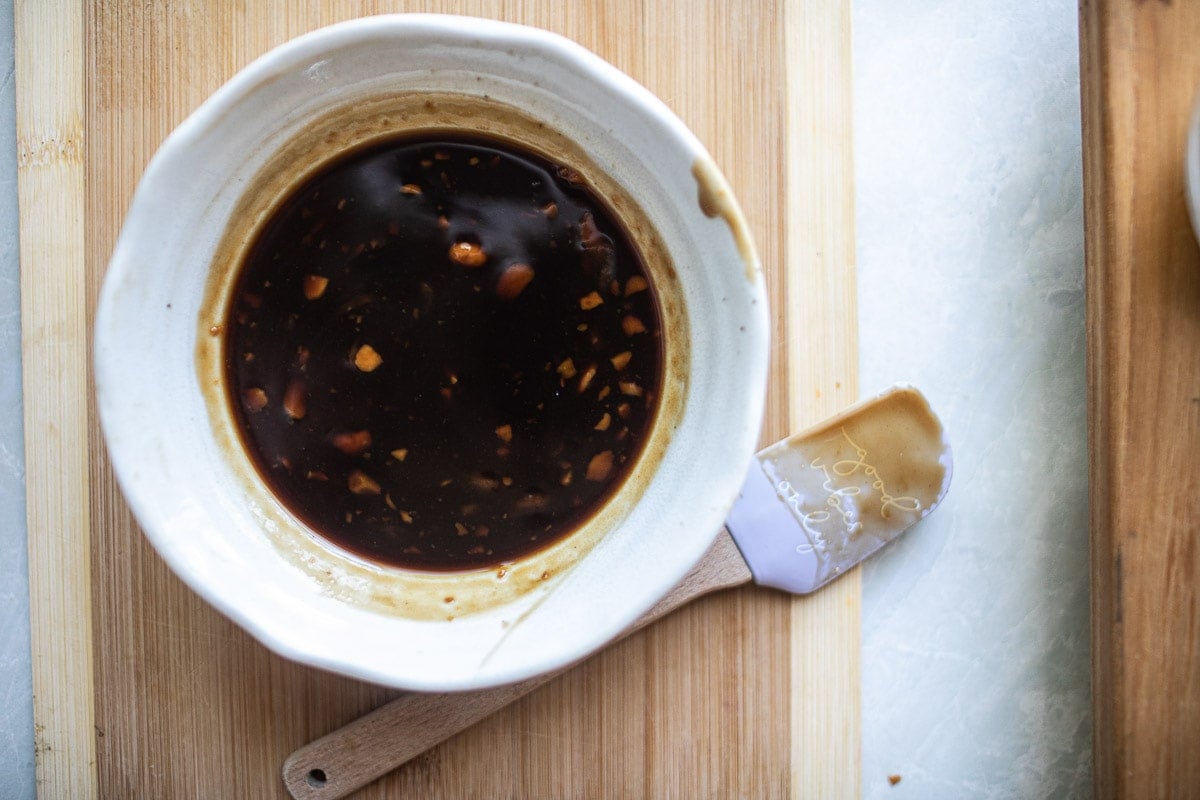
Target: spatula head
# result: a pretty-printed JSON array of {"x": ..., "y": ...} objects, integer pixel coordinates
[{"x": 817, "y": 503}]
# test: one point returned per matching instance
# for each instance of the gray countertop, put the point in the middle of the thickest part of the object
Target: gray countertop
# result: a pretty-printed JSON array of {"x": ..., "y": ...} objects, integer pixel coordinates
[
  {"x": 970, "y": 259},
  {"x": 16, "y": 686}
]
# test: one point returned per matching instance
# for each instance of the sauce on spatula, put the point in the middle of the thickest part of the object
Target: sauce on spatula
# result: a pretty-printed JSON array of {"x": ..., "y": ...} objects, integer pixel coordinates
[{"x": 817, "y": 503}]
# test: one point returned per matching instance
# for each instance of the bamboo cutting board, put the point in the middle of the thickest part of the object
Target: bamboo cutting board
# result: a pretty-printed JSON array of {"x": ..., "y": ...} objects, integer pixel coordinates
[
  {"x": 142, "y": 690},
  {"x": 1140, "y": 78}
]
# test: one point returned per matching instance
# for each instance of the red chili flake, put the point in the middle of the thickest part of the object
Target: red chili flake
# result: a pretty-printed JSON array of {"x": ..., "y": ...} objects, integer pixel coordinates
[
  {"x": 351, "y": 442},
  {"x": 468, "y": 254},
  {"x": 513, "y": 281},
  {"x": 361, "y": 483},
  {"x": 314, "y": 286},
  {"x": 255, "y": 399},
  {"x": 600, "y": 466}
]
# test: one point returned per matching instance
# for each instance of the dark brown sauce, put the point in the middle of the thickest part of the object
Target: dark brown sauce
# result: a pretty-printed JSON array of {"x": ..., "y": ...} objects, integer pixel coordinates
[{"x": 443, "y": 354}]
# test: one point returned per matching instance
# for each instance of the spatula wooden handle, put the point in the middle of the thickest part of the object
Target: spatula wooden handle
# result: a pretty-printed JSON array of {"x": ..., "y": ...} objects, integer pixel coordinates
[{"x": 373, "y": 745}]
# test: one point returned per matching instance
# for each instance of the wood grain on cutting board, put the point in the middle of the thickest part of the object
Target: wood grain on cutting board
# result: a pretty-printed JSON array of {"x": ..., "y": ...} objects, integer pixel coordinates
[
  {"x": 57, "y": 392},
  {"x": 705, "y": 703},
  {"x": 1140, "y": 70}
]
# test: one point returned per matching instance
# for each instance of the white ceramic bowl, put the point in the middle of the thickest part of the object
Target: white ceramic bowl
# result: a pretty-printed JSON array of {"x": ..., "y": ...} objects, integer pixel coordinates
[{"x": 168, "y": 428}]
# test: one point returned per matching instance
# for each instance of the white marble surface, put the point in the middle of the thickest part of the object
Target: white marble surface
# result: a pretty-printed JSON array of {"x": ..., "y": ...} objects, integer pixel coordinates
[
  {"x": 970, "y": 256},
  {"x": 975, "y": 626}
]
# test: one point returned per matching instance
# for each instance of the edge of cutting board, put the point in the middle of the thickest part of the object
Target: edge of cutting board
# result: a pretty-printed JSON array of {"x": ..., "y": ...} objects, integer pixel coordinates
[
  {"x": 49, "y": 57},
  {"x": 826, "y": 641},
  {"x": 1139, "y": 76}
]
